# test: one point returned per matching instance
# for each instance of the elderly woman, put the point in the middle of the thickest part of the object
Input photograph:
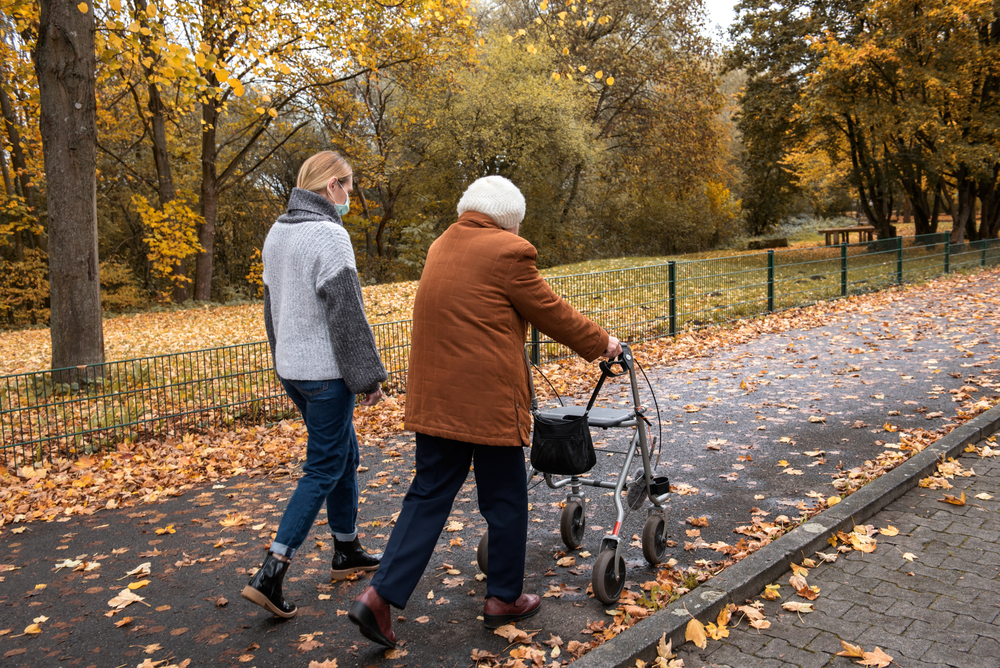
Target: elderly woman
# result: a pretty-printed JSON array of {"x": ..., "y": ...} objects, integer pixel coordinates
[
  {"x": 324, "y": 354},
  {"x": 468, "y": 400}
]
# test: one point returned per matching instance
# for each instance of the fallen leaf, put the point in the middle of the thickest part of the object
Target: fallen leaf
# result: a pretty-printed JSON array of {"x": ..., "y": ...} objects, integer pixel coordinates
[
  {"x": 141, "y": 569},
  {"x": 851, "y": 651},
  {"x": 889, "y": 531},
  {"x": 422, "y": 620},
  {"x": 166, "y": 530},
  {"x": 877, "y": 659},
  {"x": 124, "y": 598},
  {"x": 695, "y": 632},
  {"x": 329, "y": 663},
  {"x": 513, "y": 634},
  {"x": 954, "y": 500},
  {"x": 139, "y": 584},
  {"x": 770, "y": 592},
  {"x": 397, "y": 653},
  {"x": 32, "y": 629},
  {"x": 697, "y": 521},
  {"x": 797, "y": 606}
]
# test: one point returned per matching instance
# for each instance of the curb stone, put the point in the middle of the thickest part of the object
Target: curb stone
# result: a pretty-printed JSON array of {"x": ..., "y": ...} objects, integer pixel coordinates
[{"x": 748, "y": 577}]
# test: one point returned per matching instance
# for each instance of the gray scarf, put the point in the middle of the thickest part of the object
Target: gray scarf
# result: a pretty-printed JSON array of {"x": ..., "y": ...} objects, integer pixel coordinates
[{"x": 305, "y": 206}]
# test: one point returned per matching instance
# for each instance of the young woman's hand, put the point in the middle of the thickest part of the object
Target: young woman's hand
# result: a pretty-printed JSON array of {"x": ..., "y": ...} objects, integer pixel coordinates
[{"x": 372, "y": 399}]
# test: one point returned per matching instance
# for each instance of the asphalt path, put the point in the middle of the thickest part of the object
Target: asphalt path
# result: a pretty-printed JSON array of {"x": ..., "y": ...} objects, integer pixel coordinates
[{"x": 734, "y": 424}]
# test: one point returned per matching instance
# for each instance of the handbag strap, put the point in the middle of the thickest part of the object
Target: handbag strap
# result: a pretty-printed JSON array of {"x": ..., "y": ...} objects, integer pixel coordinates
[
  {"x": 531, "y": 383},
  {"x": 597, "y": 390},
  {"x": 534, "y": 398}
]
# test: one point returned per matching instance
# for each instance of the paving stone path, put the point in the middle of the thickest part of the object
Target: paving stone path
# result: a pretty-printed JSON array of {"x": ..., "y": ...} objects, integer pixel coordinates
[{"x": 940, "y": 609}]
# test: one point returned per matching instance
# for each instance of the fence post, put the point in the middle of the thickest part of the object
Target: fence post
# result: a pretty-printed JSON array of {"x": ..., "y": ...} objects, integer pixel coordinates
[
  {"x": 672, "y": 293},
  {"x": 536, "y": 353},
  {"x": 899, "y": 259},
  {"x": 982, "y": 260},
  {"x": 770, "y": 280},
  {"x": 947, "y": 253},
  {"x": 843, "y": 269}
]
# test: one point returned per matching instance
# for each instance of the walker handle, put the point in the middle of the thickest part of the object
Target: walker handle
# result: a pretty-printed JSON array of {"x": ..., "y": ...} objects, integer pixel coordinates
[{"x": 625, "y": 361}]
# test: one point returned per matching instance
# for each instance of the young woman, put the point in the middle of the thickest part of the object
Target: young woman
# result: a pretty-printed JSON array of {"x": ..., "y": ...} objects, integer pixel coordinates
[{"x": 324, "y": 354}]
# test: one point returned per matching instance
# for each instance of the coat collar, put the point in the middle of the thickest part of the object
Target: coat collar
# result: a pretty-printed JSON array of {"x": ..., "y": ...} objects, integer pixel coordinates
[{"x": 478, "y": 219}]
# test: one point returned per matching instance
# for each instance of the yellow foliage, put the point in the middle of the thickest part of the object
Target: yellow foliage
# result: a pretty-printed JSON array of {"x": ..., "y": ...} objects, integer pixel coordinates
[
  {"x": 24, "y": 289},
  {"x": 256, "y": 275},
  {"x": 171, "y": 236}
]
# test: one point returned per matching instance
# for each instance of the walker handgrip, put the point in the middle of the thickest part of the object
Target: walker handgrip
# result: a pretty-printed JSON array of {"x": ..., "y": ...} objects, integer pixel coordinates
[
  {"x": 624, "y": 360},
  {"x": 607, "y": 366}
]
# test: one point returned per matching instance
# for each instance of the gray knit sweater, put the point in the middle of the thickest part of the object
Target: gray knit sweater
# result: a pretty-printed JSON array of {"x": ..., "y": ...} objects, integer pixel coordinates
[{"x": 313, "y": 310}]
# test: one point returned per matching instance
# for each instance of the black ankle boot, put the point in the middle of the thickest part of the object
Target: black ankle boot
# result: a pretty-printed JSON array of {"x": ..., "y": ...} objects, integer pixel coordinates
[
  {"x": 264, "y": 588},
  {"x": 351, "y": 558}
]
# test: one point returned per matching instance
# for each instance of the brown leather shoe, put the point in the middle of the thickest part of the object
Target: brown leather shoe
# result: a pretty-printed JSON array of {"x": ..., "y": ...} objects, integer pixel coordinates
[
  {"x": 496, "y": 613},
  {"x": 374, "y": 618}
]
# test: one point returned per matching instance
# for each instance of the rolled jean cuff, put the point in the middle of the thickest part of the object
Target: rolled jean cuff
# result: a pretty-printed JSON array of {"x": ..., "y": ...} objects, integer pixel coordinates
[
  {"x": 346, "y": 537},
  {"x": 282, "y": 550}
]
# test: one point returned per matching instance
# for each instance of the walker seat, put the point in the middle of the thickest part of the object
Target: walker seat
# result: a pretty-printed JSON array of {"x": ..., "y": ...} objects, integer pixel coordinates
[{"x": 606, "y": 418}]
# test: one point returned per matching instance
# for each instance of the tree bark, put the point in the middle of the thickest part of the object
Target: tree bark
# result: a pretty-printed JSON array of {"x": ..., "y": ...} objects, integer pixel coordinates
[
  {"x": 64, "y": 63},
  {"x": 209, "y": 203}
]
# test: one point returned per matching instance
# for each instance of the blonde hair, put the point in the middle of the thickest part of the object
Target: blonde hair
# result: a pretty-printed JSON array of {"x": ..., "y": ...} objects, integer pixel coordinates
[{"x": 316, "y": 172}]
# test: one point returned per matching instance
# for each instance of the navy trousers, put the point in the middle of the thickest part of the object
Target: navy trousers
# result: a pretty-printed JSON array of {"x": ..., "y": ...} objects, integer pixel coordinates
[{"x": 442, "y": 467}]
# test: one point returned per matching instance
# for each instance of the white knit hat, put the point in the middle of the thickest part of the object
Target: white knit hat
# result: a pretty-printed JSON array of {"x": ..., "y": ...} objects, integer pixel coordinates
[{"x": 497, "y": 197}]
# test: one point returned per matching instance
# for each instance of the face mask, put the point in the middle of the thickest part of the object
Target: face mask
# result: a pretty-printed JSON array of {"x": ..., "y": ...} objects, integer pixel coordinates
[{"x": 342, "y": 209}]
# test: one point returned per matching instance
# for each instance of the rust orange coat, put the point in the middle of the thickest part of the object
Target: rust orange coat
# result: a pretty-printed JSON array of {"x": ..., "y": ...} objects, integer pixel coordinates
[{"x": 467, "y": 378}]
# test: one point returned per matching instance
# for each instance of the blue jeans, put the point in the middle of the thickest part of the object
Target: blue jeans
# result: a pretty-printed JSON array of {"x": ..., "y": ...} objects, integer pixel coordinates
[{"x": 331, "y": 471}]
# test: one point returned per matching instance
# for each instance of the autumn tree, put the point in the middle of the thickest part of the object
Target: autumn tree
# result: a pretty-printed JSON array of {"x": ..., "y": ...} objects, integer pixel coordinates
[
  {"x": 65, "y": 61},
  {"x": 920, "y": 80},
  {"x": 908, "y": 86},
  {"x": 645, "y": 70},
  {"x": 383, "y": 120}
]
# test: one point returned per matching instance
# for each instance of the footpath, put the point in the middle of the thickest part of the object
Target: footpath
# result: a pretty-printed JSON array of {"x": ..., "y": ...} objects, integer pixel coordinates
[
  {"x": 751, "y": 432},
  {"x": 928, "y": 596}
]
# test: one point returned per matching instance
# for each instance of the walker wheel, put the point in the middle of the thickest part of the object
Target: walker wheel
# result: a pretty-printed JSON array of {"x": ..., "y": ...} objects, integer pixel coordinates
[
  {"x": 573, "y": 524},
  {"x": 482, "y": 552},
  {"x": 609, "y": 577},
  {"x": 654, "y": 539}
]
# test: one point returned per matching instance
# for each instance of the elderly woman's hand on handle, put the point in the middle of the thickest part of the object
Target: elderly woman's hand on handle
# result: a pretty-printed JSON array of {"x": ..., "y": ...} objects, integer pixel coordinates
[{"x": 614, "y": 348}]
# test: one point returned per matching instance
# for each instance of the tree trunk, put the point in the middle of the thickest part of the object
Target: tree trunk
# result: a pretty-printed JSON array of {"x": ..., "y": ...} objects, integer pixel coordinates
[
  {"x": 8, "y": 187},
  {"x": 161, "y": 156},
  {"x": 989, "y": 203},
  {"x": 209, "y": 203},
  {"x": 19, "y": 162},
  {"x": 64, "y": 63}
]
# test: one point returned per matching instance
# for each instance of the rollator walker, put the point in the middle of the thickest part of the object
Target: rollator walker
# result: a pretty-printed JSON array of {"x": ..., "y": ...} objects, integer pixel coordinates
[{"x": 608, "y": 578}]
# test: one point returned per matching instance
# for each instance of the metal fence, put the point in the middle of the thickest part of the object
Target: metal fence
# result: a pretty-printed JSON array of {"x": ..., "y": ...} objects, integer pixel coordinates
[{"x": 235, "y": 385}]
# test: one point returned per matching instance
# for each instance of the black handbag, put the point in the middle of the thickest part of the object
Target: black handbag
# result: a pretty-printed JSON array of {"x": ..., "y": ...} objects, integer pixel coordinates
[{"x": 562, "y": 445}]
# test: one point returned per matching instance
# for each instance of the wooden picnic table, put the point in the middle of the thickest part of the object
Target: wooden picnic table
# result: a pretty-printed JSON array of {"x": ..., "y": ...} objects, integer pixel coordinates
[{"x": 865, "y": 233}]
